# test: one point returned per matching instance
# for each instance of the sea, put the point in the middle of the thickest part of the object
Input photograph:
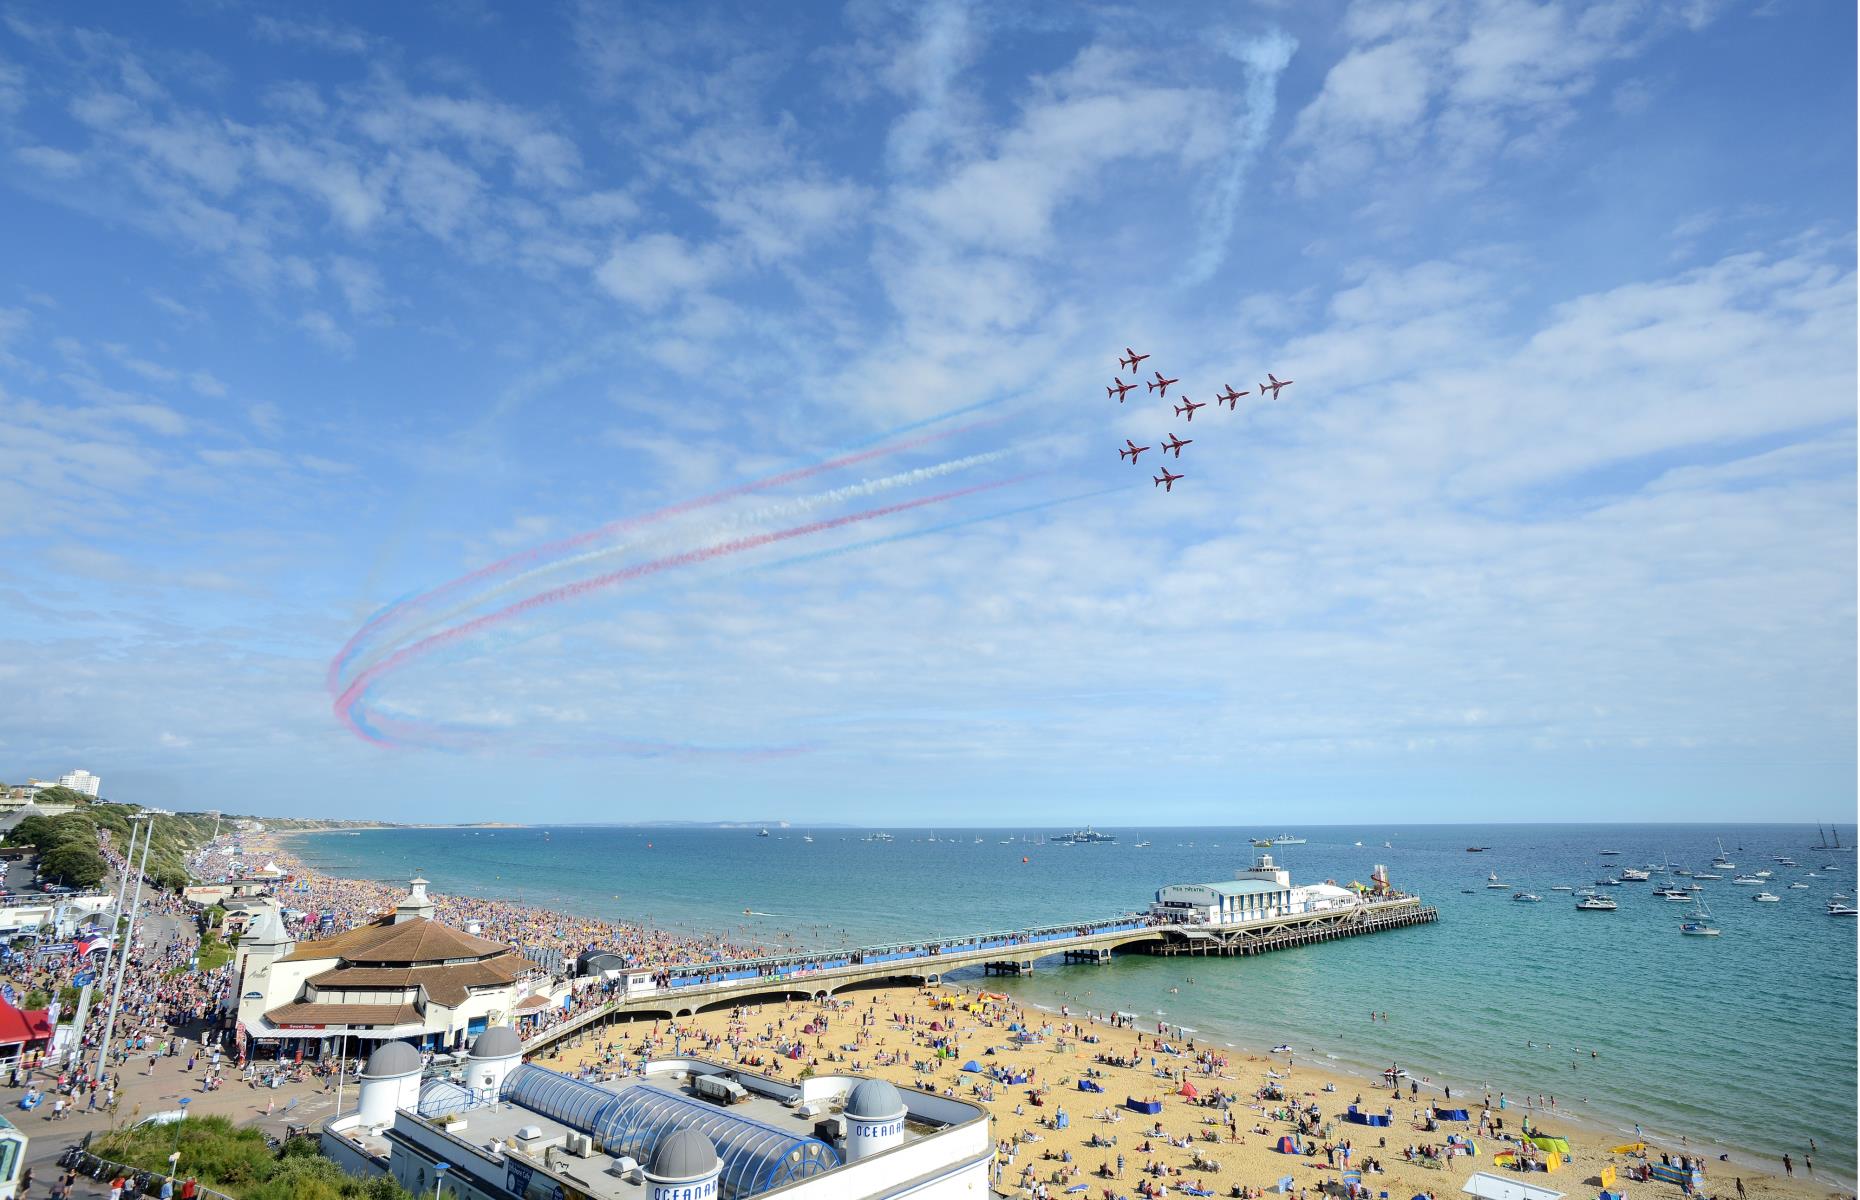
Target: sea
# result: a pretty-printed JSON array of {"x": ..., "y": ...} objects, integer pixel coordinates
[{"x": 1744, "y": 1043}]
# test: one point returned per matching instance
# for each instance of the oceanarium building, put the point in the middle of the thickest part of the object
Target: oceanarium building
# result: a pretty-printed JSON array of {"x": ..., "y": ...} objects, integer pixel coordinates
[{"x": 677, "y": 1129}]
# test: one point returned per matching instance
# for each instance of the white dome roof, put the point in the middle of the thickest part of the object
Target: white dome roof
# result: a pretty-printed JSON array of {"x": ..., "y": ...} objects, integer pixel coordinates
[
  {"x": 391, "y": 1061},
  {"x": 499, "y": 1041},
  {"x": 686, "y": 1154},
  {"x": 874, "y": 1100}
]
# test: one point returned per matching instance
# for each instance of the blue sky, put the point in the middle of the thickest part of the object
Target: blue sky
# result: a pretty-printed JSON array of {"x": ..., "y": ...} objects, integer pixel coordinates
[{"x": 306, "y": 309}]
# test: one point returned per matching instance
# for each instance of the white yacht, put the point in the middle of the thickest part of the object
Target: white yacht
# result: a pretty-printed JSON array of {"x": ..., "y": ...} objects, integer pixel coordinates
[
  {"x": 1721, "y": 863},
  {"x": 1561, "y": 887},
  {"x": 1748, "y": 881},
  {"x": 1633, "y": 875},
  {"x": 1766, "y": 898},
  {"x": 1596, "y": 904},
  {"x": 1527, "y": 898},
  {"x": 1798, "y": 886},
  {"x": 1492, "y": 883}
]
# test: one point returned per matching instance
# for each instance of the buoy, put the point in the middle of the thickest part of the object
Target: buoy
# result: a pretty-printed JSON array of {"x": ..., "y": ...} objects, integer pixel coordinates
[{"x": 1023, "y": 858}]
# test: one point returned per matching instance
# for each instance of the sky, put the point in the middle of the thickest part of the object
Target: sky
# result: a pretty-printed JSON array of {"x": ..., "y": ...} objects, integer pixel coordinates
[{"x": 626, "y": 411}]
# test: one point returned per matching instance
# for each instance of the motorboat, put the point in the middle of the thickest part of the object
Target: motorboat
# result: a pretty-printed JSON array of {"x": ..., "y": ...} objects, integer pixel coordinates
[
  {"x": 1842, "y": 908},
  {"x": 1674, "y": 894},
  {"x": 1748, "y": 881},
  {"x": 763, "y": 832},
  {"x": 1761, "y": 874},
  {"x": 808, "y": 837},
  {"x": 1608, "y": 853},
  {"x": 1611, "y": 881},
  {"x": 1632, "y": 875},
  {"x": 1561, "y": 887},
  {"x": 1286, "y": 839},
  {"x": 1766, "y": 898},
  {"x": 1596, "y": 904},
  {"x": 1282, "y": 1049},
  {"x": 1527, "y": 898},
  {"x": 1477, "y": 849},
  {"x": 1141, "y": 846},
  {"x": 1798, "y": 886},
  {"x": 878, "y": 837}
]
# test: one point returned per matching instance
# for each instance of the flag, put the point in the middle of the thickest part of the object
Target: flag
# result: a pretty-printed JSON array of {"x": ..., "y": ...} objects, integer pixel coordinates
[{"x": 90, "y": 942}]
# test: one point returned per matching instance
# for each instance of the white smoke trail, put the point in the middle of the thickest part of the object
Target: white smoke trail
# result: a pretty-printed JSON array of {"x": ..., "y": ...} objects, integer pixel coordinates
[
  {"x": 1265, "y": 58},
  {"x": 722, "y": 529}
]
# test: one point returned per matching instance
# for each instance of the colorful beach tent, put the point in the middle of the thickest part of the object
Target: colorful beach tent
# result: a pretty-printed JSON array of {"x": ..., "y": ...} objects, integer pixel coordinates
[
  {"x": 1556, "y": 1145},
  {"x": 1486, "y": 1186},
  {"x": 971, "y": 1066},
  {"x": 1188, "y": 1089},
  {"x": 1451, "y": 1114},
  {"x": 1090, "y": 1085},
  {"x": 1288, "y": 1145}
]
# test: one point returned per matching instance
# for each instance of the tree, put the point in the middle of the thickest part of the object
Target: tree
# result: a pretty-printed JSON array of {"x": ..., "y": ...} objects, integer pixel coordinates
[
  {"x": 61, "y": 795},
  {"x": 75, "y": 864}
]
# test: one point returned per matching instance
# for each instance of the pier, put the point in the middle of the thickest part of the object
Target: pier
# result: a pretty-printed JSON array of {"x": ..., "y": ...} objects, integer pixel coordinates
[{"x": 687, "y": 990}]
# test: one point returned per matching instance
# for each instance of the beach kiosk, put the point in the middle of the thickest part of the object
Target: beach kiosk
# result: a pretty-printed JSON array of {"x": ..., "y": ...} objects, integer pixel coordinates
[{"x": 1486, "y": 1186}]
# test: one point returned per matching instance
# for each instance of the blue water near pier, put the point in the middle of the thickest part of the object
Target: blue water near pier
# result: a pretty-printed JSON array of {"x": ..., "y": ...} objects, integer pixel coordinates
[{"x": 1747, "y": 1039}]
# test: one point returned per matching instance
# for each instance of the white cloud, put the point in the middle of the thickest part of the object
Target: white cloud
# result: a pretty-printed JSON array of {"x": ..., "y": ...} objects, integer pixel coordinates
[
  {"x": 321, "y": 35},
  {"x": 653, "y": 271},
  {"x": 322, "y": 327}
]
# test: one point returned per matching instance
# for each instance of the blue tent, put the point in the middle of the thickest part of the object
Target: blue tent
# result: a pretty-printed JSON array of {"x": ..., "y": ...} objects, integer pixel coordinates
[{"x": 971, "y": 1065}]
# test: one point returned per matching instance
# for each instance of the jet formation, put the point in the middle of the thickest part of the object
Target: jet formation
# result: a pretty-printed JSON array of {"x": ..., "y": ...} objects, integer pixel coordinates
[{"x": 1185, "y": 409}]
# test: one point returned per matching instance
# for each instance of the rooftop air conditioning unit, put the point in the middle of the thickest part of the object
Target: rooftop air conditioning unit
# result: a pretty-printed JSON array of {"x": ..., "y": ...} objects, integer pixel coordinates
[
  {"x": 580, "y": 1145},
  {"x": 529, "y": 1133},
  {"x": 627, "y": 1168}
]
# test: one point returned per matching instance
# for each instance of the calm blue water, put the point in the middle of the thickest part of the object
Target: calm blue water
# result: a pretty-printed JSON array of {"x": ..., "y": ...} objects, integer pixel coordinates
[{"x": 1747, "y": 1039}]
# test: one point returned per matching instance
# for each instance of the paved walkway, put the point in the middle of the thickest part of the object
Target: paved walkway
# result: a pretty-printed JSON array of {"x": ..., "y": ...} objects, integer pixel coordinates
[{"x": 143, "y": 1095}]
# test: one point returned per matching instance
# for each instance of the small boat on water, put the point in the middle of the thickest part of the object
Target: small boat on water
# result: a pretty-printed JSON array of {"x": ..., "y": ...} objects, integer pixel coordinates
[
  {"x": 1721, "y": 863},
  {"x": 1286, "y": 839},
  {"x": 878, "y": 837},
  {"x": 1527, "y": 898},
  {"x": 1631, "y": 875},
  {"x": 1561, "y": 887},
  {"x": 1282, "y": 1049},
  {"x": 1596, "y": 904},
  {"x": 1748, "y": 881},
  {"x": 1674, "y": 895},
  {"x": 1491, "y": 881},
  {"x": 1798, "y": 886},
  {"x": 1141, "y": 846},
  {"x": 1359, "y": 843},
  {"x": 1842, "y": 908},
  {"x": 763, "y": 832},
  {"x": 1698, "y": 923},
  {"x": 1705, "y": 875},
  {"x": 808, "y": 837},
  {"x": 1611, "y": 881},
  {"x": 1469, "y": 849},
  {"x": 1761, "y": 874},
  {"x": 1766, "y": 898},
  {"x": 1607, "y": 853}
]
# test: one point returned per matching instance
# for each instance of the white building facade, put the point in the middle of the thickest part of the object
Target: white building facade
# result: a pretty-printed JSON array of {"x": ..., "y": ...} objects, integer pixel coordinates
[{"x": 81, "y": 781}]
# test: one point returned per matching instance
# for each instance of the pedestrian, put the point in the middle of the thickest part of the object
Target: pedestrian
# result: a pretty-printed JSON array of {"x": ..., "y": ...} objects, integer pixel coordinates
[
  {"x": 1740, "y": 1187},
  {"x": 1788, "y": 1167}
]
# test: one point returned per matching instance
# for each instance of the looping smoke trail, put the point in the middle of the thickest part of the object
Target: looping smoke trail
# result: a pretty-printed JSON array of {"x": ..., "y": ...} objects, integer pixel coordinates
[
  {"x": 755, "y": 517},
  {"x": 346, "y": 702},
  {"x": 535, "y": 553}
]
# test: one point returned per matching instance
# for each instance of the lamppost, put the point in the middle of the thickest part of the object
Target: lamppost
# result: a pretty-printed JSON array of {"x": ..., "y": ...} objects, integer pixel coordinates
[
  {"x": 109, "y": 947},
  {"x": 342, "y": 1063},
  {"x": 129, "y": 933},
  {"x": 439, "y": 1177}
]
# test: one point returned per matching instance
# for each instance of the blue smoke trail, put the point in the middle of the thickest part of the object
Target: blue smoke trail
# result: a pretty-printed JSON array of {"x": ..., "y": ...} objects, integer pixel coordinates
[{"x": 916, "y": 425}]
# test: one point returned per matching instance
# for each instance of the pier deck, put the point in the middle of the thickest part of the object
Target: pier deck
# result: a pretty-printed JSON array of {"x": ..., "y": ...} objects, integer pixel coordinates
[{"x": 716, "y": 985}]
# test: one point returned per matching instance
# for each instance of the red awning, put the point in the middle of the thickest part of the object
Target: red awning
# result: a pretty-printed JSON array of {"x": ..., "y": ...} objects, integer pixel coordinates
[{"x": 16, "y": 1027}]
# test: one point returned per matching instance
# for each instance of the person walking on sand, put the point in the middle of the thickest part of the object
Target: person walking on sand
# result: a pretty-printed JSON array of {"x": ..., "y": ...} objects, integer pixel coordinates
[{"x": 1788, "y": 1167}]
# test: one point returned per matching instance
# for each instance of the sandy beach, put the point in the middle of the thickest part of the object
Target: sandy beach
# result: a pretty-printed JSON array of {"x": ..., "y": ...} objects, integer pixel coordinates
[{"x": 924, "y": 1037}]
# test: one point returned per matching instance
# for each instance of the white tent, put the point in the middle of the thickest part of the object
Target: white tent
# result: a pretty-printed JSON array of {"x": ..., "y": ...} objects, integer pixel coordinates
[{"x": 1497, "y": 1187}]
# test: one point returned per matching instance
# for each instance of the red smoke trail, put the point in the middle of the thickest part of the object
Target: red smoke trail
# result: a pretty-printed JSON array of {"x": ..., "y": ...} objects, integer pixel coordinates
[
  {"x": 345, "y": 703},
  {"x": 525, "y": 557}
]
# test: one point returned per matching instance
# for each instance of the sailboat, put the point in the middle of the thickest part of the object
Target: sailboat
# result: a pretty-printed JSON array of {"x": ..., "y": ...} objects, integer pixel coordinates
[
  {"x": 1721, "y": 863},
  {"x": 1834, "y": 846},
  {"x": 1698, "y": 923}
]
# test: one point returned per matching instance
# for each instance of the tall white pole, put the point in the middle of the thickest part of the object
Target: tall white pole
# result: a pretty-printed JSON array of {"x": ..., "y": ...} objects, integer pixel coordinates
[
  {"x": 116, "y": 992},
  {"x": 116, "y": 914}
]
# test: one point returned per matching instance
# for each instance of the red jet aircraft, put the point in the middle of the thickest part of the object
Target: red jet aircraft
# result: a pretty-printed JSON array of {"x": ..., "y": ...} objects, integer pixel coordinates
[
  {"x": 1187, "y": 408},
  {"x": 1165, "y": 480},
  {"x": 1132, "y": 452},
  {"x": 1230, "y": 396},
  {"x": 1274, "y": 386},
  {"x": 1175, "y": 443},
  {"x": 1131, "y": 359},
  {"x": 1120, "y": 389},
  {"x": 1159, "y": 384}
]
